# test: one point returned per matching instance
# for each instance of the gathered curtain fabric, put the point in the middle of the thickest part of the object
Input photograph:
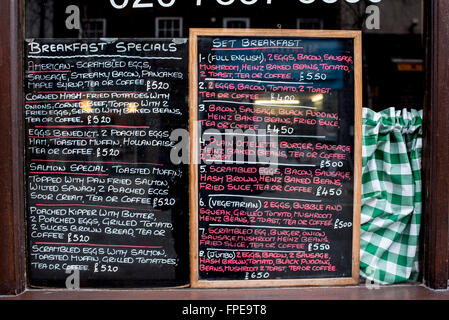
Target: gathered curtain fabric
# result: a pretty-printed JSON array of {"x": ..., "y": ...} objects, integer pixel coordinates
[{"x": 391, "y": 195}]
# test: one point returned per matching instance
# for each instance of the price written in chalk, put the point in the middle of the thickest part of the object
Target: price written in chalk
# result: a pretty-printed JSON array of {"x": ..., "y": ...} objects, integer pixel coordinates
[
  {"x": 77, "y": 238},
  {"x": 107, "y": 152},
  {"x": 274, "y": 129},
  {"x": 98, "y": 120},
  {"x": 341, "y": 224},
  {"x": 331, "y": 164},
  {"x": 324, "y": 191},
  {"x": 318, "y": 247},
  {"x": 105, "y": 268},
  {"x": 161, "y": 202},
  {"x": 257, "y": 275}
]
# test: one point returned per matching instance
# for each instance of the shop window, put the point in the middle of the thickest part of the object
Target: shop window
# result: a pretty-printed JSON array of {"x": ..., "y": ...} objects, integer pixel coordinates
[
  {"x": 93, "y": 28},
  {"x": 393, "y": 75},
  {"x": 168, "y": 27},
  {"x": 309, "y": 23}
]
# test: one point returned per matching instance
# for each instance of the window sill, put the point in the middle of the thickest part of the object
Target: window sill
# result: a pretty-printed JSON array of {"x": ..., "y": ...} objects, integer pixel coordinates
[{"x": 361, "y": 292}]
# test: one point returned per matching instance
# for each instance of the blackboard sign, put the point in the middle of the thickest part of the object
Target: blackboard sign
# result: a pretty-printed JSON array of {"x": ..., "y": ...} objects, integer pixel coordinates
[
  {"x": 276, "y": 160},
  {"x": 104, "y": 201}
]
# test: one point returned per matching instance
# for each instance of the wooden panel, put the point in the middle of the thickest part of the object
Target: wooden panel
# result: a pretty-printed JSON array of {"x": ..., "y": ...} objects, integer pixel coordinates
[
  {"x": 400, "y": 292},
  {"x": 12, "y": 255},
  {"x": 436, "y": 152}
]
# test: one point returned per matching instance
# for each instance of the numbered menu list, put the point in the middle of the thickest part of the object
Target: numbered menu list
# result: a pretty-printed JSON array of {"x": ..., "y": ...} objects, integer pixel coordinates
[
  {"x": 291, "y": 100},
  {"x": 103, "y": 198}
]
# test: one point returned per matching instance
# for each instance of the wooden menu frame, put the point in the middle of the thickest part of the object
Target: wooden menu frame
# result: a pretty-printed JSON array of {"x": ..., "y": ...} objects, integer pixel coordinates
[{"x": 193, "y": 102}]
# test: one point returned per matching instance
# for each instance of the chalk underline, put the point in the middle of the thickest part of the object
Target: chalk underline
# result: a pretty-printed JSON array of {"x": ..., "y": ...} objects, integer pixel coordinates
[
  {"x": 263, "y": 227},
  {"x": 218, "y": 161},
  {"x": 254, "y": 250},
  {"x": 50, "y": 71},
  {"x": 255, "y": 48},
  {"x": 260, "y": 81},
  {"x": 105, "y": 162},
  {"x": 60, "y": 137},
  {"x": 92, "y": 206},
  {"x": 89, "y": 91},
  {"x": 51, "y": 101},
  {"x": 260, "y": 104},
  {"x": 103, "y": 56},
  {"x": 70, "y": 173},
  {"x": 264, "y": 135},
  {"x": 98, "y": 245},
  {"x": 93, "y": 126},
  {"x": 260, "y": 197}
]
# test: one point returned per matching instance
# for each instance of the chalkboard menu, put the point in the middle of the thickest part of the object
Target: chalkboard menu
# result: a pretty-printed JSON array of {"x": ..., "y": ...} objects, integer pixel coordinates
[
  {"x": 103, "y": 197},
  {"x": 276, "y": 157}
]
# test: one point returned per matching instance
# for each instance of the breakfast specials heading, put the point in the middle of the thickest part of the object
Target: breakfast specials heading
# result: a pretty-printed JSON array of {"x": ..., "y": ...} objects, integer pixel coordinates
[{"x": 121, "y": 4}]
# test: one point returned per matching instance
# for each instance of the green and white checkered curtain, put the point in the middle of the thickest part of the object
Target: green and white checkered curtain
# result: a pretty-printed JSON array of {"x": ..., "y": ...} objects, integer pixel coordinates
[{"x": 391, "y": 195}]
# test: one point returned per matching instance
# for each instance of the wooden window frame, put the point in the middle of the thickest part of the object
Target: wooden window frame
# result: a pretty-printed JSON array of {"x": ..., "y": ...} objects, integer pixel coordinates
[
  {"x": 158, "y": 29},
  {"x": 12, "y": 217},
  {"x": 246, "y": 20},
  {"x": 435, "y": 236},
  {"x": 85, "y": 22}
]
